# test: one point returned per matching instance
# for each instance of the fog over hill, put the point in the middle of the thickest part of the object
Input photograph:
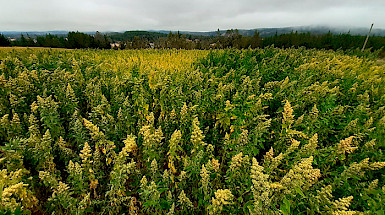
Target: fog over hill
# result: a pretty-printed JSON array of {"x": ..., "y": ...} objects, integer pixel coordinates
[
  {"x": 264, "y": 32},
  {"x": 267, "y": 32}
]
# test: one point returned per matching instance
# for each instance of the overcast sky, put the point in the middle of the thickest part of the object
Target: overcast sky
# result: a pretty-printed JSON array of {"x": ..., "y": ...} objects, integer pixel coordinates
[{"x": 192, "y": 15}]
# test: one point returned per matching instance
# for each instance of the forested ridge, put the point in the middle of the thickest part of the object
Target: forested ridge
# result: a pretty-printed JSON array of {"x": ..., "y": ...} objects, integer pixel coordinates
[{"x": 229, "y": 39}]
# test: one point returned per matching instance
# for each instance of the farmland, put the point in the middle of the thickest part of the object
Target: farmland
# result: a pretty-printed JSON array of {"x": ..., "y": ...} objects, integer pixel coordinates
[{"x": 254, "y": 131}]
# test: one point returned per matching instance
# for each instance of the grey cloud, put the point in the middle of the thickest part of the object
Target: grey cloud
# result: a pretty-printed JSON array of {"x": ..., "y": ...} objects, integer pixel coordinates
[{"x": 199, "y": 15}]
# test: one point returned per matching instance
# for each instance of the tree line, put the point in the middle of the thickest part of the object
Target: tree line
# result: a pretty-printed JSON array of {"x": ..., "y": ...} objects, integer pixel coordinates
[
  {"x": 230, "y": 39},
  {"x": 72, "y": 40}
]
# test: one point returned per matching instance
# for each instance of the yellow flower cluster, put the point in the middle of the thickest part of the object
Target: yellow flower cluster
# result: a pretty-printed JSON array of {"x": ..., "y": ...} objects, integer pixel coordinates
[
  {"x": 356, "y": 168},
  {"x": 276, "y": 161},
  {"x": 205, "y": 175},
  {"x": 172, "y": 115},
  {"x": 74, "y": 168},
  {"x": 341, "y": 205},
  {"x": 184, "y": 111},
  {"x": 287, "y": 114},
  {"x": 129, "y": 146},
  {"x": 243, "y": 137},
  {"x": 377, "y": 165},
  {"x": 46, "y": 102},
  {"x": 314, "y": 112},
  {"x": 276, "y": 186},
  {"x": 301, "y": 175},
  {"x": 15, "y": 122},
  {"x": 345, "y": 146},
  {"x": 182, "y": 175},
  {"x": 96, "y": 134},
  {"x": 222, "y": 197},
  {"x": 370, "y": 144},
  {"x": 294, "y": 145},
  {"x": 154, "y": 193},
  {"x": 4, "y": 121},
  {"x": 61, "y": 188},
  {"x": 184, "y": 200},
  {"x": 299, "y": 120},
  {"x": 324, "y": 195},
  {"x": 172, "y": 209},
  {"x": 33, "y": 128},
  {"x": 197, "y": 136},
  {"x": 238, "y": 160},
  {"x": 64, "y": 147},
  {"x": 17, "y": 191},
  {"x": 14, "y": 192},
  {"x": 48, "y": 178},
  {"x": 86, "y": 154},
  {"x": 268, "y": 157},
  {"x": 70, "y": 93},
  {"x": 143, "y": 182},
  {"x": 146, "y": 132},
  {"x": 152, "y": 138},
  {"x": 260, "y": 188},
  {"x": 226, "y": 139},
  {"x": 173, "y": 146},
  {"x": 154, "y": 166},
  {"x": 215, "y": 164},
  {"x": 373, "y": 185},
  {"x": 2, "y": 79},
  {"x": 85, "y": 202},
  {"x": 309, "y": 148}
]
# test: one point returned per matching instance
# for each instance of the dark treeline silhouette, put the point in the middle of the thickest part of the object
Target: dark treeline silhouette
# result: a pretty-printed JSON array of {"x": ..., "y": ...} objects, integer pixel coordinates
[
  {"x": 140, "y": 40},
  {"x": 233, "y": 39},
  {"x": 229, "y": 39},
  {"x": 324, "y": 41},
  {"x": 81, "y": 40},
  {"x": 4, "y": 41},
  {"x": 130, "y": 35},
  {"x": 72, "y": 41}
]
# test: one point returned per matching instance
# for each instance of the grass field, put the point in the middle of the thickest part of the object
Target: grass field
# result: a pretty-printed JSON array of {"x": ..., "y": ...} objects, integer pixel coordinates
[{"x": 265, "y": 131}]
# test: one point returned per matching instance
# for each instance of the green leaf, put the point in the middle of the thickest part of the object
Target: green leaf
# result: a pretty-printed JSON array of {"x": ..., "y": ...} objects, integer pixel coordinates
[
  {"x": 285, "y": 207},
  {"x": 299, "y": 191}
]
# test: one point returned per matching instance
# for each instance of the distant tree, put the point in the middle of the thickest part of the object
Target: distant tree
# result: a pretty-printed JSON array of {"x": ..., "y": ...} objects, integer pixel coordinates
[
  {"x": 255, "y": 40},
  {"x": 140, "y": 43},
  {"x": 49, "y": 40},
  {"x": 101, "y": 41},
  {"x": 232, "y": 38},
  {"x": 26, "y": 41},
  {"x": 79, "y": 40},
  {"x": 4, "y": 41}
]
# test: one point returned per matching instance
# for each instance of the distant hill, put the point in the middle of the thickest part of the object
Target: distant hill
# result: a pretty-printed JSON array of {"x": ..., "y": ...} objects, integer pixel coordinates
[
  {"x": 268, "y": 32},
  {"x": 263, "y": 32},
  {"x": 17, "y": 34}
]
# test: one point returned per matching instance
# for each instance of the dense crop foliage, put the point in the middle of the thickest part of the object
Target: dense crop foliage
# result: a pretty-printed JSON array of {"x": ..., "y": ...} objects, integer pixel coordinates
[{"x": 266, "y": 131}]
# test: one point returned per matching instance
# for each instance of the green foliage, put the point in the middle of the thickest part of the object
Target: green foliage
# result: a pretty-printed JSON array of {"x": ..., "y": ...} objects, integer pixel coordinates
[
  {"x": 259, "y": 131},
  {"x": 4, "y": 41}
]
